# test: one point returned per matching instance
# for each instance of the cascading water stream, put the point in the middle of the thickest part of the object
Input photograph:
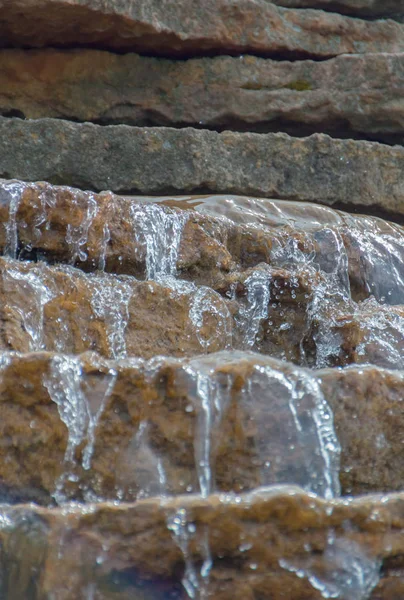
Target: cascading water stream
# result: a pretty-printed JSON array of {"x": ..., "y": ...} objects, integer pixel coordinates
[{"x": 293, "y": 440}]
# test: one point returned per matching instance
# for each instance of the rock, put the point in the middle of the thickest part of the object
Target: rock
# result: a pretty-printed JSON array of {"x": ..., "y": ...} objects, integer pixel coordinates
[
  {"x": 63, "y": 309},
  {"x": 359, "y": 8},
  {"x": 163, "y": 160},
  {"x": 134, "y": 550},
  {"x": 137, "y": 428},
  {"x": 348, "y": 96},
  {"x": 211, "y": 237},
  {"x": 187, "y": 27},
  {"x": 309, "y": 285},
  {"x": 288, "y": 314}
]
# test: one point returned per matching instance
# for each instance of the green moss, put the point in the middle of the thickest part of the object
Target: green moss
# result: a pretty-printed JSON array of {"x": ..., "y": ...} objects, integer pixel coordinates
[{"x": 300, "y": 85}]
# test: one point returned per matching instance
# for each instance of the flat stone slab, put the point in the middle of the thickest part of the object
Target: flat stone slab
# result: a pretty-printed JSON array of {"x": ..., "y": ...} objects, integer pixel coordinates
[
  {"x": 212, "y": 238},
  {"x": 230, "y": 421},
  {"x": 164, "y": 160},
  {"x": 348, "y": 96},
  {"x": 281, "y": 538},
  {"x": 187, "y": 27}
]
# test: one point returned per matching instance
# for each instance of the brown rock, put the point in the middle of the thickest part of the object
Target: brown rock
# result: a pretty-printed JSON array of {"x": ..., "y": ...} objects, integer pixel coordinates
[
  {"x": 188, "y": 27},
  {"x": 128, "y": 551},
  {"x": 63, "y": 309},
  {"x": 359, "y": 8},
  {"x": 218, "y": 237},
  {"x": 146, "y": 432},
  {"x": 160, "y": 160},
  {"x": 347, "y": 96},
  {"x": 288, "y": 314}
]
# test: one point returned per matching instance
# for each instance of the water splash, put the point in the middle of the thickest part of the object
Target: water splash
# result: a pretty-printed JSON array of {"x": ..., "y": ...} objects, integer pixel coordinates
[
  {"x": 160, "y": 230},
  {"x": 184, "y": 532},
  {"x": 344, "y": 570},
  {"x": 255, "y": 310},
  {"x": 78, "y": 411},
  {"x": 204, "y": 302},
  {"x": 28, "y": 292},
  {"x": 13, "y": 192},
  {"x": 110, "y": 300},
  {"x": 77, "y": 236}
]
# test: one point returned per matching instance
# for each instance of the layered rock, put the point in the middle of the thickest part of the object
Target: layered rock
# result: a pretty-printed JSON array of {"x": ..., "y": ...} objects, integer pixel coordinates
[
  {"x": 231, "y": 421},
  {"x": 212, "y": 239},
  {"x": 348, "y": 95},
  {"x": 279, "y": 539},
  {"x": 161, "y": 160},
  {"x": 193, "y": 27}
]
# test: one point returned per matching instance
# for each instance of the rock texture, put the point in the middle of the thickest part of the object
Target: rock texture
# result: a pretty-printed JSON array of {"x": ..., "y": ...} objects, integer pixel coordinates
[
  {"x": 325, "y": 292},
  {"x": 356, "y": 95},
  {"x": 127, "y": 551},
  {"x": 216, "y": 237},
  {"x": 360, "y": 8},
  {"x": 161, "y": 160},
  {"x": 133, "y": 421},
  {"x": 188, "y": 27}
]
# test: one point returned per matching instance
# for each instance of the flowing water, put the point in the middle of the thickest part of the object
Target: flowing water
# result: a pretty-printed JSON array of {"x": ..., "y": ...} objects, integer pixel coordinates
[{"x": 351, "y": 311}]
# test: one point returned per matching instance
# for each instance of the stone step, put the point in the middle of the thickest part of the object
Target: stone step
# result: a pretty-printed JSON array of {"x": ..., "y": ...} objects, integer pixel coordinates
[
  {"x": 84, "y": 428},
  {"x": 348, "y": 96},
  {"x": 282, "y": 540},
  {"x": 187, "y": 27},
  {"x": 359, "y": 8},
  {"x": 296, "y": 315},
  {"x": 213, "y": 240},
  {"x": 359, "y": 174}
]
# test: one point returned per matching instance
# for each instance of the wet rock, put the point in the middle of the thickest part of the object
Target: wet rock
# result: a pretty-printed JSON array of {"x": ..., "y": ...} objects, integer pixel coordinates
[
  {"x": 346, "y": 96},
  {"x": 317, "y": 168},
  {"x": 196, "y": 27},
  {"x": 359, "y": 8},
  {"x": 288, "y": 314},
  {"x": 232, "y": 421},
  {"x": 213, "y": 240},
  {"x": 63, "y": 309},
  {"x": 281, "y": 539}
]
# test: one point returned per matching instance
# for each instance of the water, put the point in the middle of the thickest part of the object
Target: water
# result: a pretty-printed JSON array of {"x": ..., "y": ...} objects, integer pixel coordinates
[
  {"x": 28, "y": 291},
  {"x": 79, "y": 411},
  {"x": 204, "y": 304},
  {"x": 110, "y": 300},
  {"x": 11, "y": 193},
  {"x": 77, "y": 235},
  {"x": 255, "y": 308},
  {"x": 195, "y": 581},
  {"x": 350, "y": 312},
  {"x": 344, "y": 570},
  {"x": 294, "y": 436},
  {"x": 160, "y": 230}
]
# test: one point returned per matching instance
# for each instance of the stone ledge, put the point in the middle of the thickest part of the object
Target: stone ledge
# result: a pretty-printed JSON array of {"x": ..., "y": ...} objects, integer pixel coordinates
[
  {"x": 186, "y": 27},
  {"x": 164, "y": 160},
  {"x": 349, "y": 96}
]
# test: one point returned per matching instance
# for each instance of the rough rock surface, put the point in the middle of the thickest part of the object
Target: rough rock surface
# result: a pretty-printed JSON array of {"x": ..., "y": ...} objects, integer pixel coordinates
[
  {"x": 347, "y": 96},
  {"x": 63, "y": 309},
  {"x": 161, "y": 160},
  {"x": 127, "y": 551},
  {"x": 193, "y": 27},
  {"x": 147, "y": 419},
  {"x": 217, "y": 236},
  {"x": 359, "y": 8}
]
